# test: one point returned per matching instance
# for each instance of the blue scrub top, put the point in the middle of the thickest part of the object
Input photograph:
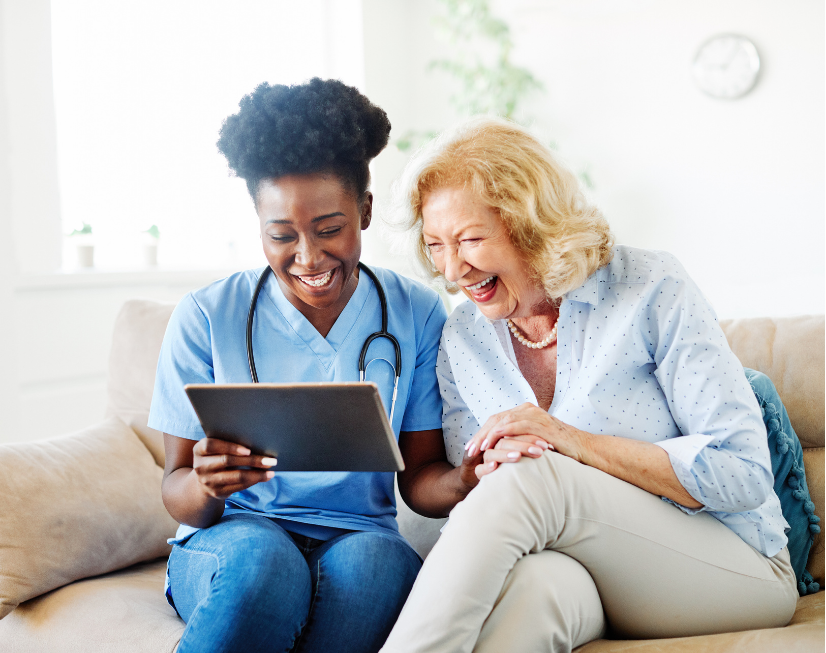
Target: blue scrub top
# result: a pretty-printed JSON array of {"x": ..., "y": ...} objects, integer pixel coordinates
[{"x": 205, "y": 342}]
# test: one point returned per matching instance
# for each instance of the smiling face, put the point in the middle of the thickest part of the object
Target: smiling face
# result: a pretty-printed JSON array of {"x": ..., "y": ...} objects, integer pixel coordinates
[
  {"x": 471, "y": 247},
  {"x": 311, "y": 231}
]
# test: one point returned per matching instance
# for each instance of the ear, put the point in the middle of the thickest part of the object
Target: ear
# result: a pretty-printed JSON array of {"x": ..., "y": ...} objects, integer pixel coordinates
[{"x": 366, "y": 210}]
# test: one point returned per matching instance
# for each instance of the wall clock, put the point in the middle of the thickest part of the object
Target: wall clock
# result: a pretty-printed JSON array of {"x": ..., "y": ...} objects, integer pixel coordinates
[{"x": 726, "y": 66}]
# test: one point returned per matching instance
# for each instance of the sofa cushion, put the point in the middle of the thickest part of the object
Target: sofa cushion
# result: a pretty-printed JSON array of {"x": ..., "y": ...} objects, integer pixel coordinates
[
  {"x": 136, "y": 344},
  {"x": 124, "y": 611},
  {"x": 804, "y": 633},
  {"x": 815, "y": 467},
  {"x": 77, "y": 506},
  {"x": 790, "y": 351}
]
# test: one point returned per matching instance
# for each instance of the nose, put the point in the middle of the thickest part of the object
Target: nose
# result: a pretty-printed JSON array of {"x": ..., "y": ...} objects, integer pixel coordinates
[
  {"x": 455, "y": 265},
  {"x": 307, "y": 254}
]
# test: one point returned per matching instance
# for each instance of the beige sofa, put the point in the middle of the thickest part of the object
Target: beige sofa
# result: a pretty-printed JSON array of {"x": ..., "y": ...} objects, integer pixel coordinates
[{"x": 83, "y": 529}]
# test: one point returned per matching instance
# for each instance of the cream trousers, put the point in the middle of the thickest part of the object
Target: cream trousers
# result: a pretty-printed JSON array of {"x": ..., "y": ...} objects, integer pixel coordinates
[{"x": 545, "y": 554}]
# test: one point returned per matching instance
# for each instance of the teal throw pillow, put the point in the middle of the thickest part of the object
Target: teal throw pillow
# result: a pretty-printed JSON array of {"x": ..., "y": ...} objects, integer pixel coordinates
[{"x": 789, "y": 478}]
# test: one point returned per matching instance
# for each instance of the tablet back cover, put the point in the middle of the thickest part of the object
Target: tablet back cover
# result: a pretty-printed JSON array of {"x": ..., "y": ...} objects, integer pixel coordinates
[{"x": 308, "y": 427}]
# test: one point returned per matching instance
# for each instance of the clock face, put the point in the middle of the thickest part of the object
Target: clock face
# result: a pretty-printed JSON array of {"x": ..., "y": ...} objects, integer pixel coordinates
[{"x": 726, "y": 66}]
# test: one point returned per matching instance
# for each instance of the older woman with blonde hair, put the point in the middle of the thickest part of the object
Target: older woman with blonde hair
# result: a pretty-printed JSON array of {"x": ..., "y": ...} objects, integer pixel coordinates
[{"x": 622, "y": 478}]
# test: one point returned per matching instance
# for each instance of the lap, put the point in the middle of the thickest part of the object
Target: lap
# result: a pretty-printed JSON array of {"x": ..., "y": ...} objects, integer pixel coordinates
[
  {"x": 254, "y": 558},
  {"x": 659, "y": 571}
]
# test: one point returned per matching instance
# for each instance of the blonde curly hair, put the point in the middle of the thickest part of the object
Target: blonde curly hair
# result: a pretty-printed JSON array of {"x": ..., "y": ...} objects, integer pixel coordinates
[{"x": 564, "y": 237}]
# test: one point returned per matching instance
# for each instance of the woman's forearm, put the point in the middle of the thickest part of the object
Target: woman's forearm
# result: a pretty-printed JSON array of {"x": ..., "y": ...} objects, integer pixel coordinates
[
  {"x": 187, "y": 502},
  {"x": 434, "y": 490},
  {"x": 640, "y": 463}
]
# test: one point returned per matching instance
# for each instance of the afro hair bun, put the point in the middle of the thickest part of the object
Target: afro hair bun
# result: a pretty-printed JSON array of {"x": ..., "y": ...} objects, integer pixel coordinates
[{"x": 321, "y": 125}]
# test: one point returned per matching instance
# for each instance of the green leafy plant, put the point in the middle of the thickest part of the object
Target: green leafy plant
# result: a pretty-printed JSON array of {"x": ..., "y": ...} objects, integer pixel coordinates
[
  {"x": 153, "y": 231},
  {"x": 488, "y": 82},
  {"x": 85, "y": 230}
]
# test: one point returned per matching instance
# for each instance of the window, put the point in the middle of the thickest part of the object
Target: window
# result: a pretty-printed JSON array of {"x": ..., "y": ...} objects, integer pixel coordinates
[{"x": 141, "y": 90}]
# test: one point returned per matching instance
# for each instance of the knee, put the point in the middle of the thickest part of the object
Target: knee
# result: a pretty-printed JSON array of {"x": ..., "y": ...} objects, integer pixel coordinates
[
  {"x": 372, "y": 564},
  {"x": 534, "y": 479},
  {"x": 551, "y": 578},
  {"x": 258, "y": 558}
]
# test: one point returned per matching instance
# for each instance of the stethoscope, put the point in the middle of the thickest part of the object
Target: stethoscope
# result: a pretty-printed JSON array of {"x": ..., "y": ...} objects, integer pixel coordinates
[{"x": 384, "y": 333}]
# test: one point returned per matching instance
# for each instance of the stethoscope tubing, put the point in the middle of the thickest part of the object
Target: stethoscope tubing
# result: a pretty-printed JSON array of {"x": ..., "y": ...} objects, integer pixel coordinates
[{"x": 383, "y": 333}]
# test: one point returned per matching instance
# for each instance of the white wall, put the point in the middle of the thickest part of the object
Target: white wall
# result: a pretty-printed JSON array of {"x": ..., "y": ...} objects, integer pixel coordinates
[
  {"x": 55, "y": 329},
  {"x": 735, "y": 189}
]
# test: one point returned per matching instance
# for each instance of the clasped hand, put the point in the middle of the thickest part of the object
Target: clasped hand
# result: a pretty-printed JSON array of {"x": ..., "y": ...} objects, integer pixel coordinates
[{"x": 526, "y": 430}]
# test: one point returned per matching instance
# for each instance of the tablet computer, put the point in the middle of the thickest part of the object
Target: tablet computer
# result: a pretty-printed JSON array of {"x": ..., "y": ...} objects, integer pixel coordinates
[{"x": 308, "y": 427}]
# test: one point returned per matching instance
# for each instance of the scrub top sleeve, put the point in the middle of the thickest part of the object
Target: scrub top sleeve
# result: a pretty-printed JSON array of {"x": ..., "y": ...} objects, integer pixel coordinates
[
  {"x": 424, "y": 404},
  {"x": 186, "y": 357}
]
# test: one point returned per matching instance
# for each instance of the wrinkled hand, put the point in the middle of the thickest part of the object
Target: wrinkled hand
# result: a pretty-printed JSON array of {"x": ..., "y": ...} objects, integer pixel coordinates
[
  {"x": 526, "y": 430},
  {"x": 219, "y": 466}
]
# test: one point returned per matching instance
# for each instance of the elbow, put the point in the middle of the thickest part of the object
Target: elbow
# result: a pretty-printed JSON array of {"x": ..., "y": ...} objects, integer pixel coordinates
[
  {"x": 763, "y": 490},
  {"x": 760, "y": 487}
]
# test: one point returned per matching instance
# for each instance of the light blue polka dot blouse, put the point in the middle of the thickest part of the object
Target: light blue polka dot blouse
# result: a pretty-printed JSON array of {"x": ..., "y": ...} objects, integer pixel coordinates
[{"x": 640, "y": 355}]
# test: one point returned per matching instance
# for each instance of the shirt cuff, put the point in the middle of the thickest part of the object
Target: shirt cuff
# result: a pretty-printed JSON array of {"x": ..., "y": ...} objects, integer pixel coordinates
[{"x": 682, "y": 452}]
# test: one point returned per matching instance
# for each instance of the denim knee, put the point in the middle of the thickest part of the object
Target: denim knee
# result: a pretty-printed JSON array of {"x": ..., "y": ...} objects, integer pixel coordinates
[
  {"x": 362, "y": 581},
  {"x": 260, "y": 556},
  {"x": 256, "y": 562}
]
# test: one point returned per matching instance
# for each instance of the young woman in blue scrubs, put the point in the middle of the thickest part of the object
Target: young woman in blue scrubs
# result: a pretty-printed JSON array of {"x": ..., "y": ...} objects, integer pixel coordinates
[{"x": 295, "y": 561}]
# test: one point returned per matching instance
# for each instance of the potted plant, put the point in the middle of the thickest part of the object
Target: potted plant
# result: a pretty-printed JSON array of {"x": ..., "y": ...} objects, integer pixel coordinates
[
  {"x": 150, "y": 246},
  {"x": 84, "y": 246}
]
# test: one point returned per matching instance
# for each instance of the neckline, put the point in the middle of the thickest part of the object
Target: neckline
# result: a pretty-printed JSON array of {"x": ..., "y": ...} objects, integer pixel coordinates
[{"x": 301, "y": 326}]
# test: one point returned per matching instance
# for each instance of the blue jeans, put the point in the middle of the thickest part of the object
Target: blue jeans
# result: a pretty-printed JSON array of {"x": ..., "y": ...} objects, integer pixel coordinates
[{"x": 246, "y": 584}]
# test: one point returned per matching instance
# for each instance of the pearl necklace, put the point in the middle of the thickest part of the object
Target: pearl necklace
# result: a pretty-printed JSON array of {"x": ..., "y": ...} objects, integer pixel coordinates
[{"x": 530, "y": 343}]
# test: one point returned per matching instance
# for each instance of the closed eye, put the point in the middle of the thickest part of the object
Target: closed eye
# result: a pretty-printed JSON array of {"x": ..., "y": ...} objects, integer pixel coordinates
[{"x": 330, "y": 232}]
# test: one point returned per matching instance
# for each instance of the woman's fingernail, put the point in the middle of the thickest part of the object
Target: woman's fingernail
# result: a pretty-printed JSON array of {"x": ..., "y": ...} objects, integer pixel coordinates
[
  {"x": 472, "y": 451},
  {"x": 270, "y": 475},
  {"x": 484, "y": 445},
  {"x": 513, "y": 455},
  {"x": 269, "y": 462},
  {"x": 492, "y": 464},
  {"x": 243, "y": 451},
  {"x": 536, "y": 451},
  {"x": 542, "y": 444}
]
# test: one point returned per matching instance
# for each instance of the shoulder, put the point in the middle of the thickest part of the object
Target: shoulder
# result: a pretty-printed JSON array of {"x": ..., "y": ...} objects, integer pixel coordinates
[
  {"x": 228, "y": 294},
  {"x": 201, "y": 309},
  {"x": 461, "y": 324},
  {"x": 241, "y": 284},
  {"x": 634, "y": 265}
]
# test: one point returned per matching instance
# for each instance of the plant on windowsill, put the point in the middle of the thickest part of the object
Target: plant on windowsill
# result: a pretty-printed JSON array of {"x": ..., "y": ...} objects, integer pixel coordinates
[
  {"x": 151, "y": 240},
  {"x": 84, "y": 245}
]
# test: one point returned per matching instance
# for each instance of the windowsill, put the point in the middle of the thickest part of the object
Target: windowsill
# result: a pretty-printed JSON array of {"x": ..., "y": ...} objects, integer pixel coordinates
[{"x": 102, "y": 278}]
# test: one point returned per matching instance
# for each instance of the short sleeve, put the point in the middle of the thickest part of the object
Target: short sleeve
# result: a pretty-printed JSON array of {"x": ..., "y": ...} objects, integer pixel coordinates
[
  {"x": 186, "y": 357},
  {"x": 424, "y": 405}
]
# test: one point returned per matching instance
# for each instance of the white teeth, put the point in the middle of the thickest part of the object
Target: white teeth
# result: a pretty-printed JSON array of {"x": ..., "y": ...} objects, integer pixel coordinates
[
  {"x": 476, "y": 286},
  {"x": 317, "y": 282}
]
